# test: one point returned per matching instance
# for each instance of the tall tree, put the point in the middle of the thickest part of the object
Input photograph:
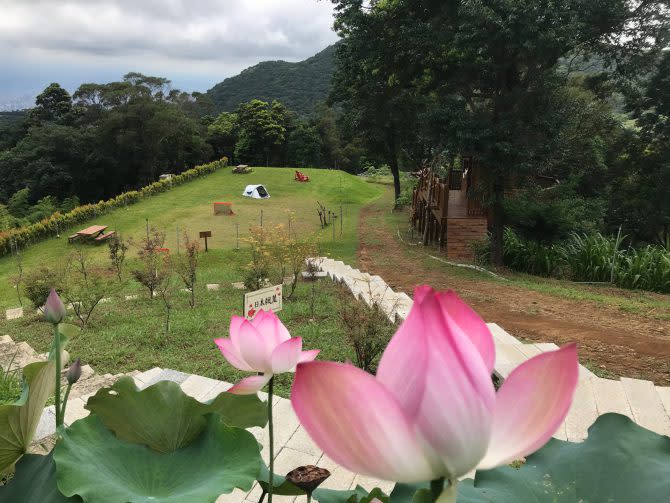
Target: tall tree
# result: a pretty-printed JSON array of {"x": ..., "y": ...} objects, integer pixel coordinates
[{"x": 492, "y": 67}]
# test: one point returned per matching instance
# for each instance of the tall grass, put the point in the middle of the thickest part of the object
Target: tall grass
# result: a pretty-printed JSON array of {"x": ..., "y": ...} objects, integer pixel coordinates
[
  {"x": 591, "y": 258},
  {"x": 530, "y": 256}
]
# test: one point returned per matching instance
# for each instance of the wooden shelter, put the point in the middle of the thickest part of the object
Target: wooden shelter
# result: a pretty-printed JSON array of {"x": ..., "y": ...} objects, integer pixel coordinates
[{"x": 445, "y": 211}]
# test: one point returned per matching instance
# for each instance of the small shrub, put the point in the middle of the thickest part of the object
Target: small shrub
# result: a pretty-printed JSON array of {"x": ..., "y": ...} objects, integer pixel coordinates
[
  {"x": 39, "y": 282},
  {"x": 117, "y": 254},
  {"x": 187, "y": 266},
  {"x": 152, "y": 262},
  {"x": 367, "y": 329},
  {"x": 529, "y": 256},
  {"x": 85, "y": 285}
]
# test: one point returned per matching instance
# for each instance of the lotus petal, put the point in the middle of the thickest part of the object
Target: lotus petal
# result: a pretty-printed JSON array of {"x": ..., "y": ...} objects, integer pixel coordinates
[{"x": 531, "y": 404}]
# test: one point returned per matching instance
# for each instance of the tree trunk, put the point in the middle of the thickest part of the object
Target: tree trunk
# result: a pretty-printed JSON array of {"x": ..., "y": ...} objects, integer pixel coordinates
[
  {"x": 392, "y": 159},
  {"x": 497, "y": 194},
  {"x": 395, "y": 171}
]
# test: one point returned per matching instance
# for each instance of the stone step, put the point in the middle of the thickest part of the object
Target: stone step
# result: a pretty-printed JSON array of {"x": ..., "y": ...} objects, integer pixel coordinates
[
  {"x": 583, "y": 412},
  {"x": 646, "y": 405}
]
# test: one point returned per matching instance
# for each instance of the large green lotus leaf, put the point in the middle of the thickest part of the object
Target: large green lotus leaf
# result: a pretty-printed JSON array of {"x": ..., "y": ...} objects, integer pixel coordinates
[
  {"x": 358, "y": 495},
  {"x": 35, "y": 481},
  {"x": 101, "y": 468},
  {"x": 619, "y": 462},
  {"x": 19, "y": 420},
  {"x": 243, "y": 411},
  {"x": 165, "y": 418}
]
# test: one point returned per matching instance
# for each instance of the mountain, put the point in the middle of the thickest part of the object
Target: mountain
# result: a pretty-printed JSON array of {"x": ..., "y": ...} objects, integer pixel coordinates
[{"x": 299, "y": 86}]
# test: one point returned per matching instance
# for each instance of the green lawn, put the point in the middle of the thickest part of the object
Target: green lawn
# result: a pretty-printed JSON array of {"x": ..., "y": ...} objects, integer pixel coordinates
[
  {"x": 124, "y": 335},
  {"x": 189, "y": 207}
]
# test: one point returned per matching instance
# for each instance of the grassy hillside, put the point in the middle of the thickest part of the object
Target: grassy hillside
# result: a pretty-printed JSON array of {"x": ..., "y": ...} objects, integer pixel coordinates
[
  {"x": 189, "y": 207},
  {"x": 299, "y": 86}
]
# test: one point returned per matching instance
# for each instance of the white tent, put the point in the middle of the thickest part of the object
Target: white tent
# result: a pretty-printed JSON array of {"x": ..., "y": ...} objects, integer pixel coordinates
[{"x": 256, "y": 192}]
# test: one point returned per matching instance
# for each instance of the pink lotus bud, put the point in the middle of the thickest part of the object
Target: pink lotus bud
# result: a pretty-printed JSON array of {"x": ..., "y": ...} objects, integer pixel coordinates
[
  {"x": 74, "y": 372},
  {"x": 54, "y": 310}
]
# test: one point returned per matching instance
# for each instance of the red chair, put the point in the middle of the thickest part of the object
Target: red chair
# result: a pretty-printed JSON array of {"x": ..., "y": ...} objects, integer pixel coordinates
[{"x": 301, "y": 177}]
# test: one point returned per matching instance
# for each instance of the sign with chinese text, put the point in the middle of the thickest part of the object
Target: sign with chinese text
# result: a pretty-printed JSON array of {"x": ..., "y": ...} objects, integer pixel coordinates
[{"x": 266, "y": 299}]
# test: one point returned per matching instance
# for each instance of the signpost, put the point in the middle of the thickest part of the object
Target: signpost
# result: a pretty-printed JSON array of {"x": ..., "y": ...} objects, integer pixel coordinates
[
  {"x": 205, "y": 234},
  {"x": 265, "y": 299}
]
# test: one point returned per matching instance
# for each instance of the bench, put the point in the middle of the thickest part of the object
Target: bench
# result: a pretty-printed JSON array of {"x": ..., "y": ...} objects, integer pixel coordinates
[
  {"x": 106, "y": 235},
  {"x": 72, "y": 238}
]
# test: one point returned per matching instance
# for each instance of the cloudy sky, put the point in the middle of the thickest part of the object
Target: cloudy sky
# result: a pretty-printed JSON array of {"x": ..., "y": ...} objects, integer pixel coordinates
[{"x": 195, "y": 43}]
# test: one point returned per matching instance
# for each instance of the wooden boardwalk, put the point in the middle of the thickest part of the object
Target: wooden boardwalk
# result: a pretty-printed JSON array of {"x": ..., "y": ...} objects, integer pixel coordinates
[{"x": 644, "y": 403}]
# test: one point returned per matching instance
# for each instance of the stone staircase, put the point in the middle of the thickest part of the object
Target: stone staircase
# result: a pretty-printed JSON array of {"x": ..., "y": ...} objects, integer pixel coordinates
[{"x": 640, "y": 400}]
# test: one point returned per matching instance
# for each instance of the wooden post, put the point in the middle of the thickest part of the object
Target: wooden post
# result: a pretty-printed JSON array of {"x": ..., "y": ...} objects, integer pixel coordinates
[
  {"x": 205, "y": 234},
  {"x": 341, "y": 220}
]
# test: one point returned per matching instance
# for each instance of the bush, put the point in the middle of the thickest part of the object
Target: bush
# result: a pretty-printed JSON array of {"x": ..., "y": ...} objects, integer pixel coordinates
[
  {"x": 39, "y": 282},
  {"x": 529, "y": 256},
  {"x": 50, "y": 226},
  {"x": 591, "y": 258},
  {"x": 368, "y": 330}
]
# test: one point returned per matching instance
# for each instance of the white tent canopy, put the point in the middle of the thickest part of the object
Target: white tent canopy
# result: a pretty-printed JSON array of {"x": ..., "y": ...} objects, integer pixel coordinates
[{"x": 256, "y": 192}]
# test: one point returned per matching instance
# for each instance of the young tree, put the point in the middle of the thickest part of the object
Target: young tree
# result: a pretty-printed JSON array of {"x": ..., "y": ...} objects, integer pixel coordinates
[
  {"x": 187, "y": 266},
  {"x": 117, "y": 254},
  {"x": 152, "y": 271},
  {"x": 165, "y": 286},
  {"x": 84, "y": 286}
]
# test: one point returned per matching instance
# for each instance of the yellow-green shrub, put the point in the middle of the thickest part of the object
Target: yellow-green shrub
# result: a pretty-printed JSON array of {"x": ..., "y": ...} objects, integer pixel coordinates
[{"x": 24, "y": 236}]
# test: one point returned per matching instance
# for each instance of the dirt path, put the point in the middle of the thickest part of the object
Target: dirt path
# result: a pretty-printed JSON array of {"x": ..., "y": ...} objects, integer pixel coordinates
[{"x": 610, "y": 340}]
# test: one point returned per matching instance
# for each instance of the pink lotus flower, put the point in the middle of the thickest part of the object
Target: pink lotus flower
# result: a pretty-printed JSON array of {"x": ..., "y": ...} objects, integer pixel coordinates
[
  {"x": 261, "y": 345},
  {"x": 54, "y": 310},
  {"x": 432, "y": 410}
]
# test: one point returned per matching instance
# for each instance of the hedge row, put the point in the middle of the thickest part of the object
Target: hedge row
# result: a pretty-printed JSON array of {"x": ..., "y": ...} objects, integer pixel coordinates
[{"x": 24, "y": 236}]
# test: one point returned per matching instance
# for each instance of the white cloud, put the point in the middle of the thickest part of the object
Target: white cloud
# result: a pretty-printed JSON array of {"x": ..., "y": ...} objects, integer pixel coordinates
[{"x": 202, "y": 40}]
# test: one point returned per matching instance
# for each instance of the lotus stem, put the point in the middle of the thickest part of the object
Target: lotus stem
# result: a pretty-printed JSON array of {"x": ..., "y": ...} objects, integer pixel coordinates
[
  {"x": 449, "y": 493},
  {"x": 59, "y": 418},
  {"x": 67, "y": 394},
  {"x": 436, "y": 487},
  {"x": 272, "y": 443}
]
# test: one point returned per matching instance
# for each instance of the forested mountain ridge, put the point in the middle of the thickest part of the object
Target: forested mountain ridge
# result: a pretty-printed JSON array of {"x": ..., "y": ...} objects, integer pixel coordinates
[{"x": 300, "y": 86}]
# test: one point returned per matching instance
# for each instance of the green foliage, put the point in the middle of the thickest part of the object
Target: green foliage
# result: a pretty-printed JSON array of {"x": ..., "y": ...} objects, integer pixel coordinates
[
  {"x": 39, "y": 282},
  {"x": 262, "y": 132},
  {"x": 48, "y": 227},
  {"x": 18, "y": 420},
  {"x": 95, "y": 464},
  {"x": 10, "y": 383},
  {"x": 300, "y": 86},
  {"x": 591, "y": 258},
  {"x": 35, "y": 480},
  {"x": 368, "y": 330},
  {"x": 552, "y": 215},
  {"x": 619, "y": 462},
  {"x": 530, "y": 256},
  {"x": 163, "y": 417}
]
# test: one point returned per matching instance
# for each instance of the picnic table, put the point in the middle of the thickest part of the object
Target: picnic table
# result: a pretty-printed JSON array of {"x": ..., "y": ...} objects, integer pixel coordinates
[{"x": 95, "y": 232}]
